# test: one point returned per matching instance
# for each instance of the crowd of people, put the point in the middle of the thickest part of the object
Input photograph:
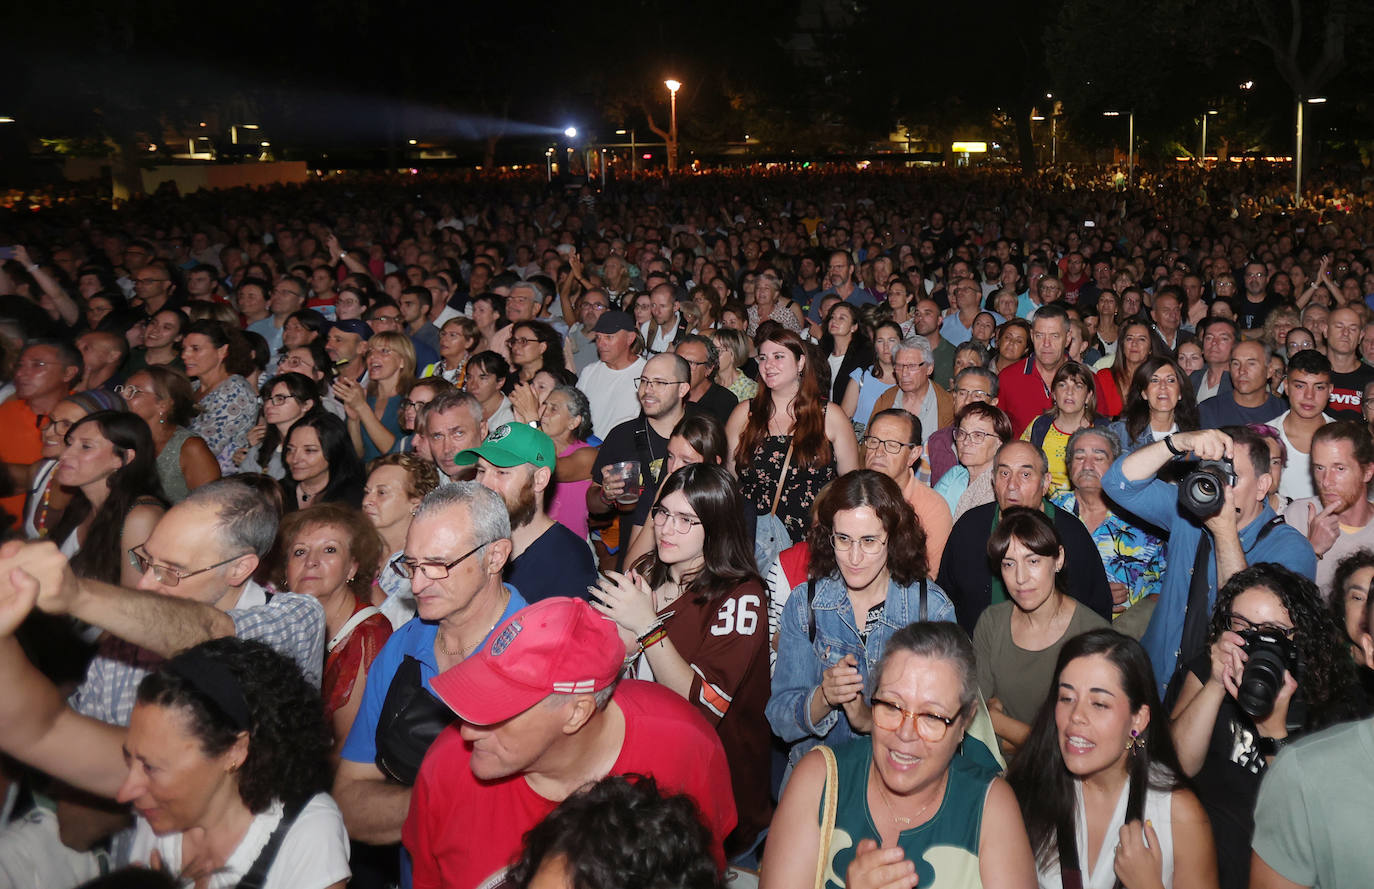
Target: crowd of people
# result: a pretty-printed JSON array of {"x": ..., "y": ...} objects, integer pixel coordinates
[{"x": 939, "y": 529}]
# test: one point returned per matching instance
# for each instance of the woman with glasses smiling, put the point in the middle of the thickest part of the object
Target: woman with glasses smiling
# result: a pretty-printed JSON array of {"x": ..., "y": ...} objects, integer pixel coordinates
[
  {"x": 916, "y": 800},
  {"x": 693, "y": 613},
  {"x": 1226, "y": 734},
  {"x": 866, "y": 578}
]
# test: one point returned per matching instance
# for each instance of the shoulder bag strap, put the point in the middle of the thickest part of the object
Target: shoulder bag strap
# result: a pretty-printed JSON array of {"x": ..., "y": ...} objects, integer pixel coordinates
[
  {"x": 810, "y": 612},
  {"x": 257, "y": 874},
  {"x": 1070, "y": 876},
  {"x": 925, "y": 596},
  {"x": 351, "y": 625},
  {"x": 782, "y": 480},
  {"x": 829, "y": 800}
]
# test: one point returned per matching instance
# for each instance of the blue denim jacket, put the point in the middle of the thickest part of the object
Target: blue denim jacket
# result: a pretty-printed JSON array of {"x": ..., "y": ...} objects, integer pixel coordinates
[{"x": 801, "y": 662}]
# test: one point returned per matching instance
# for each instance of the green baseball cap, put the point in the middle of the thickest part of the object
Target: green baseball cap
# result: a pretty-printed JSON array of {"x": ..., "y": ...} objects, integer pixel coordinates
[{"x": 512, "y": 444}]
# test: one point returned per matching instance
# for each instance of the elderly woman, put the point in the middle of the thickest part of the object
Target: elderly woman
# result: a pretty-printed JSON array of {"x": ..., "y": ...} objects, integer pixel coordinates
[
  {"x": 226, "y": 745},
  {"x": 332, "y": 552},
  {"x": 566, "y": 417},
  {"x": 733, "y": 346},
  {"x": 979, "y": 430},
  {"x": 909, "y": 809},
  {"x": 866, "y": 578},
  {"x": 770, "y": 305}
]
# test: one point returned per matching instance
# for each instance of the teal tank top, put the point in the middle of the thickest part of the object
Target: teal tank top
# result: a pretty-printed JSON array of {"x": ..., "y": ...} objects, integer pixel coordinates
[{"x": 945, "y": 848}]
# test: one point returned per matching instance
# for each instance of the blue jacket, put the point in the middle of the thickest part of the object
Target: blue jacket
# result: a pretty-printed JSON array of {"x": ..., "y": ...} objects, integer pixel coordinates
[
  {"x": 1156, "y": 502},
  {"x": 801, "y": 662}
]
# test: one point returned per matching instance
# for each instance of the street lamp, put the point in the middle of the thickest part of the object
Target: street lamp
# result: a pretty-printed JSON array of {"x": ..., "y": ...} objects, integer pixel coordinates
[
  {"x": 1297, "y": 154},
  {"x": 1209, "y": 112},
  {"x": 1130, "y": 142},
  {"x": 673, "y": 86},
  {"x": 571, "y": 132}
]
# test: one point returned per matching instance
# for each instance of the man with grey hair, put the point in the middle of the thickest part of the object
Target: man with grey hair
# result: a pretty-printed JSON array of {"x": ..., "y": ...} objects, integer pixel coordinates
[
  {"x": 456, "y": 550},
  {"x": 970, "y": 384},
  {"x": 706, "y": 395},
  {"x": 452, "y": 421},
  {"x": 1132, "y": 553},
  {"x": 915, "y": 392},
  {"x": 524, "y": 302}
]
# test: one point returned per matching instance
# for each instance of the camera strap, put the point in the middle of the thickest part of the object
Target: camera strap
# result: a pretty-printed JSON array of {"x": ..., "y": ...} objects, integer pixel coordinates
[{"x": 1197, "y": 618}]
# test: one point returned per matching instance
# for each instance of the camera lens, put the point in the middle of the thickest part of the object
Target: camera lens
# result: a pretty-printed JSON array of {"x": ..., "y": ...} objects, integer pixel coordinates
[{"x": 1261, "y": 680}]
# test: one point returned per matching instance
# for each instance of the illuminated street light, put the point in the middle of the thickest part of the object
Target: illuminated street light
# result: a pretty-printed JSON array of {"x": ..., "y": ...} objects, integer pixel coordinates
[
  {"x": 6, "y": 120},
  {"x": 411, "y": 141},
  {"x": 1130, "y": 142},
  {"x": 571, "y": 132},
  {"x": 1297, "y": 154},
  {"x": 1210, "y": 111},
  {"x": 673, "y": 86}
]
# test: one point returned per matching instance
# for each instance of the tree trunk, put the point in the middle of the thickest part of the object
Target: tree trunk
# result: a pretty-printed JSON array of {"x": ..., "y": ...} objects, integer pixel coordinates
[
  {"x": 126, "y": 177},
  {"x": 1026, "y": 140}
]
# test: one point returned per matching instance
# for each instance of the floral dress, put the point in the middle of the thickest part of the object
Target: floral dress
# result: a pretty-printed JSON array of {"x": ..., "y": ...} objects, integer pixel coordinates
[
  {"x": 759, "y": 483},
  {"x": 227, "y": 412}
]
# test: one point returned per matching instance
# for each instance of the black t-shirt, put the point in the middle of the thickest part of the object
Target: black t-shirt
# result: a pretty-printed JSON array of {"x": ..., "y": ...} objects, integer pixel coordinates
[
  {"x": 1347, "y": 392},
  {"x": 1228, "y": 783},
  {"x": 1250, "y": 316},
  {"x": 718, "y": 401},
  {"x": 557, "y": 563}
]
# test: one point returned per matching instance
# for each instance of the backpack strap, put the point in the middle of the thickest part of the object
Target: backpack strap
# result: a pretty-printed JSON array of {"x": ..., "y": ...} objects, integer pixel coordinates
[
  {"x": 810, "y": 612},
  {"x": 256, "y": 876}
]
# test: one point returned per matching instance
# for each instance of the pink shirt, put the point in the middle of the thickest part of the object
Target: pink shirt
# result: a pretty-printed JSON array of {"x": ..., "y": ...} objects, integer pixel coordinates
[{"x": 569, "y": 504}]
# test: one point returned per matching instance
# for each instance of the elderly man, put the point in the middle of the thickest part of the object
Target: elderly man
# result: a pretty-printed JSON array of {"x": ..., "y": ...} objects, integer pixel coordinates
[
  {"x": 1244, "y": 530},
  {"x": 287, "y": 298},
  {"x": 706, "y": 395},
  {"x": 1167, "y": 315},
  {"x": 451, "y": 422},
  {"x": 517, "y": 461},
  {"x": 1132, "y": 554},
  {"x": 581, "y": 340},
  {"x": 1020, "y": 477},
  {"x": 541, "y": 713},
  {"x": 967, "y": 298},
  {"x": 1249, "y": 400},
  {"x": 1026, "y": 384},
  {"x": 892, "y": 446},
  {"x": 915, "y": 392},
  {"x": 456, "y": 550},
  {"x": 346, "y": 345},
  {"x": 840, "y": 283},
  {"x": 47, "y": 370},
  {"x": 102, "y": 353},
  {"x": 611, "y": 382},
  {"x": 1219, "y": 336}
]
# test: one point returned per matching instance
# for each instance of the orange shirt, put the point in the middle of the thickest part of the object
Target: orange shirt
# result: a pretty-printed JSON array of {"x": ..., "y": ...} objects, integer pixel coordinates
[
  {"x": 933, "y": 513},
  {"x": 20, "y": 442}
]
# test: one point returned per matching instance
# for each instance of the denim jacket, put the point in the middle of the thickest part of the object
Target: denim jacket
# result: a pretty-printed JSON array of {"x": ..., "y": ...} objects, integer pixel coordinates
[{"x": 801, "y": 662}]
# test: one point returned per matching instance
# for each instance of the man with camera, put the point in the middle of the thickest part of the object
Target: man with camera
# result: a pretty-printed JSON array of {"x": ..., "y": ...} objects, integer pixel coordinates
[{"x": 1218, "y": 520}]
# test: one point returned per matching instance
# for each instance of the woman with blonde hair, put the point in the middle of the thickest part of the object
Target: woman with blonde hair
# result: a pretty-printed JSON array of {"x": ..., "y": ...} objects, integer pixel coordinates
[{"x": 374, "y": 415}]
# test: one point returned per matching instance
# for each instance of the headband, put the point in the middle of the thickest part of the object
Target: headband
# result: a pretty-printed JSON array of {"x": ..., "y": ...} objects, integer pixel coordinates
[{"x": 214, "y": 681}]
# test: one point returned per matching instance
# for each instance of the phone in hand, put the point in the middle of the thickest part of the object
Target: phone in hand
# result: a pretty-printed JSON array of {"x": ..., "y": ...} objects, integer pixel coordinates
[{"x": 6, "y": 254}]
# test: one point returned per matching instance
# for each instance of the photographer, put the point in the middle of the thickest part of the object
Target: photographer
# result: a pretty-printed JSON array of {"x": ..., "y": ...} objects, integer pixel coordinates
[
  {"x": 1276, "y": 668},
  {"x": 1217, "y": 537}
]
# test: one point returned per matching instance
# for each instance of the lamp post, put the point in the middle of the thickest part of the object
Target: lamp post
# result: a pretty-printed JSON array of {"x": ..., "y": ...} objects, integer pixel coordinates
[
  {"x": 673, "y": 86},
  {"x": 1130, "y": 142},
  {"x": 1203, "y": 156},
  {"x": 1297, "y": 154}
]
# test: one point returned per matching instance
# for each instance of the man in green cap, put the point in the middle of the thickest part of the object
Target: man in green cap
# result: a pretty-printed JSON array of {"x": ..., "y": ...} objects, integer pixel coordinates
[{"x": 517, "y": 461}]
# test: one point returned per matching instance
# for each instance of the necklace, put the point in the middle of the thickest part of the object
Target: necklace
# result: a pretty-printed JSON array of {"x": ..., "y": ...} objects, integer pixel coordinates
[
  {"x": 882, "y": 794},
  {"x": 465, "y": 650}
]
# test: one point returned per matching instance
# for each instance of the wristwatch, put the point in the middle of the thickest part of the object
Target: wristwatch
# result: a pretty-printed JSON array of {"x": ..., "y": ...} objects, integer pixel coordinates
[{"x": 1271, "y": 746}]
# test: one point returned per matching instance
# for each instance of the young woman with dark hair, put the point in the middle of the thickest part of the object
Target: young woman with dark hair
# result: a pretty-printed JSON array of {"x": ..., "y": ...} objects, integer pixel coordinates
[
  {"x": 1160, "y": 401},
  {"x": 694, "y": 614},
  {"x": 109, "y": 462},
  {"x": 865, "y": 385},
  {"x": 216, "y": 358},
  {"x": 1099, "y": 763},
  {"x": 866, "y": 579},
  {"x": 846, "y": 346},
  {"x": 321, "y": 464},
  {"x": 286, "y": 398},
  {"x": 1018, "y": 640},
  {"x": 788, "y": 442}
]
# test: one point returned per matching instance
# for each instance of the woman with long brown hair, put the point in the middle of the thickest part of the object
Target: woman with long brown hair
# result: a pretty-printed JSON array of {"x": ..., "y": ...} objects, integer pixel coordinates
[
  {"x": 1134, "y": 348},
  {"x": 788, "y": 442}
]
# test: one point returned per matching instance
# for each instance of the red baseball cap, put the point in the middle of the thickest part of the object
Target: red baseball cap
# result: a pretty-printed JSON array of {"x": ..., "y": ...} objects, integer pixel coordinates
[{"x": 555, "y": 646}]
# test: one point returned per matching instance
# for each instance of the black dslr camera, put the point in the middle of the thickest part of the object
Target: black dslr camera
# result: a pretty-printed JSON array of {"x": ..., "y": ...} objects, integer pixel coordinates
[
  {"x": 1269, "y": 654},
  {"x": 1201, "y": 493}
]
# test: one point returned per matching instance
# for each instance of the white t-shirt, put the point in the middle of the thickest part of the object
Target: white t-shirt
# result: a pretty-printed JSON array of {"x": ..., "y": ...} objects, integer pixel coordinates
[
  {"x": 611, "y": 394},
  {"x": 313, "y": 855},
  {"x": 1296, "y": 481}
]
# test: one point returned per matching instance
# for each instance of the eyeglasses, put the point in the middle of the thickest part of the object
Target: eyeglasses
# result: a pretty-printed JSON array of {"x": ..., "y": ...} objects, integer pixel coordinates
[
  {"x": 129, "y": 391},
  {"x": 433, "y": 570},
  {"x": 595, "y": 307},
  {"x": 972, "y": 436},
  {"x": 168, "y": 576},
  {"x": 522, "y": 340},
  {"x": 691, "y": 363},
  {"x": 973, "y": 393},
  {"x": 278, "y": 400},
  {"x": 903, "y": 368},
  {"x": 45, "y": 421},
  {"x": 888, "y": 445},
  {"x": 930, "y": 726},
  {"x": 843, "y": 543},
  {"x": 681, "y": 523},
  {"x": 643, "y": 382},
  {"x": 295, "y": 361},
  {"x": 392, "y": 319},
  {"x": 1241, "y": 624}
]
